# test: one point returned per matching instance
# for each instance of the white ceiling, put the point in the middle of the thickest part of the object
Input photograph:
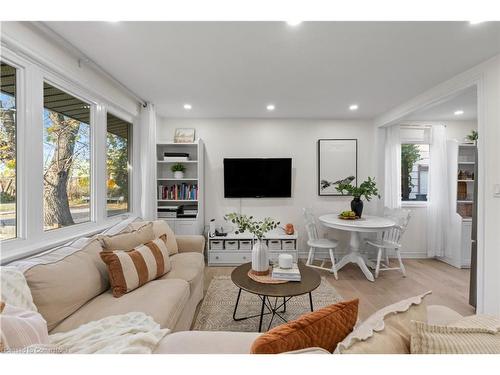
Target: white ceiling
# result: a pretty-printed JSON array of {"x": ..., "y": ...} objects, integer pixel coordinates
[
  {"x": 315, "y": 70},
  {"x": 445, "y": 111}
]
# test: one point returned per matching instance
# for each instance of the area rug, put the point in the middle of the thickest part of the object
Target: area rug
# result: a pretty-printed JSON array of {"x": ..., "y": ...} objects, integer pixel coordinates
[{"x": 216, "y": 312}]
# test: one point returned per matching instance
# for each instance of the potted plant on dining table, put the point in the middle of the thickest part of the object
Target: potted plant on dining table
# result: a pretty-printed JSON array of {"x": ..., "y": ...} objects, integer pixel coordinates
[{"x": 367, "y": 189}]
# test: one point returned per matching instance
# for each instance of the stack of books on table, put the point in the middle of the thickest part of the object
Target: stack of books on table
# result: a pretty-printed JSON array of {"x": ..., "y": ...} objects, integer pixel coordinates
[{"x": 289, "y": 274}]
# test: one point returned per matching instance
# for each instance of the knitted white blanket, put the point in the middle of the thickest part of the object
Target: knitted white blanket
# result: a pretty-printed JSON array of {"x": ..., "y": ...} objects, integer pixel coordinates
[{"x": 134, "y": 332}]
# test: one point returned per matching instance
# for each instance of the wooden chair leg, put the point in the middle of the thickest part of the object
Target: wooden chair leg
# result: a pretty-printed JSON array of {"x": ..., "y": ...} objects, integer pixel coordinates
[
  {"x": 386, "y": 257},
  {"x": 334, "y": 267},
  {"x": 401, "y": 265},
  {"x": 379, "y": 258}
]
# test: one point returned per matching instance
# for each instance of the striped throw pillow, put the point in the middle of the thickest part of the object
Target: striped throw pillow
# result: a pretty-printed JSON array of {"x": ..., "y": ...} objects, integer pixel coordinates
[{"x": 131, "y": 269}]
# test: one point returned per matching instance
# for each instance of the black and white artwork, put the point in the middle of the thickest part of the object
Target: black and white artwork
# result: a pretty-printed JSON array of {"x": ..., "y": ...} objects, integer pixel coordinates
[{"x": 337, "y": 163}]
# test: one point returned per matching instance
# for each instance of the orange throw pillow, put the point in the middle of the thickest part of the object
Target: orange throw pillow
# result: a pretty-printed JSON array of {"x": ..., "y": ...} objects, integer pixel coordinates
[{"x": 324, "y": 328}]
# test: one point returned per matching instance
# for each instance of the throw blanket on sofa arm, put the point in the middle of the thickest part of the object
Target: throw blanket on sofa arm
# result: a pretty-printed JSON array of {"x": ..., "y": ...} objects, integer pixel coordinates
[{"x": 133, "y": 333}]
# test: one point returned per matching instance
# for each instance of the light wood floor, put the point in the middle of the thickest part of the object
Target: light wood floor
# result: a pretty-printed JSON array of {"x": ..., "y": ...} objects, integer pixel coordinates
[{"x": 449, "y": 285}]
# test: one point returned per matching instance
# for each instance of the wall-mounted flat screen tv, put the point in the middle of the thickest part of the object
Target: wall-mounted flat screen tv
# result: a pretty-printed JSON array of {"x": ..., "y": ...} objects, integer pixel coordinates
[{"x": 258, "y": 178}]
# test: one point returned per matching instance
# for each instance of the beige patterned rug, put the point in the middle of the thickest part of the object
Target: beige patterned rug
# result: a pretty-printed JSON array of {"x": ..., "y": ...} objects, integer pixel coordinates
[{"x": 216, "y": 312}]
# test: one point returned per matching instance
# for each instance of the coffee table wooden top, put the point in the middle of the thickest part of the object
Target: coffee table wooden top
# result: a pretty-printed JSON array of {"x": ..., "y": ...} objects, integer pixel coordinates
[{"x": 310, "y": 280}]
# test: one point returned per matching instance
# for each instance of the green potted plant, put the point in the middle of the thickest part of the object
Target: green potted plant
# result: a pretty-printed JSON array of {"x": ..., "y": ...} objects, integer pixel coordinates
[
  {"x": 259, "y": 228},
  {"x": 178, "y": 170},
  {"x": 473, "y": 136},
  {"x": 367, "y": 189}
]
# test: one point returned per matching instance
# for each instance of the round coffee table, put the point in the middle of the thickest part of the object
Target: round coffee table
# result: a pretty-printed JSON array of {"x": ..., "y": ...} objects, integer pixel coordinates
[{"x": 310, "y": 280}]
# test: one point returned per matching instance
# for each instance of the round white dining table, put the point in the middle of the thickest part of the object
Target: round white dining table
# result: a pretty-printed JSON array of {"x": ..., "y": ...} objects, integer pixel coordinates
[{"x": 367, "y": 224}]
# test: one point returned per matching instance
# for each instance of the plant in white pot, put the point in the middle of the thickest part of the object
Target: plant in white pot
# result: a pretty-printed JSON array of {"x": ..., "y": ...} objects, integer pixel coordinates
[
  {"x": 260, "y": 252},
  {"x": 178, "y": 170}
]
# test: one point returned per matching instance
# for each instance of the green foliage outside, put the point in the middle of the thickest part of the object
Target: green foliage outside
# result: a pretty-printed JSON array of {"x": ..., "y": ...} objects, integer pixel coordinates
[{"x": 410, "y": 154}]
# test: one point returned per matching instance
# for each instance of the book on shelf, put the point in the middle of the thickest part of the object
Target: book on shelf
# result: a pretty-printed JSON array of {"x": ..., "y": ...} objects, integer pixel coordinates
[
  {"x": 289, "y": 274},
  {"x": 178, "y": 192}
]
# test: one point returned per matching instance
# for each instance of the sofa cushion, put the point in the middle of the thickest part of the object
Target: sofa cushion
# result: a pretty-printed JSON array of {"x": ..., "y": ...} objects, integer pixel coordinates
[
  {"x": 163, "y": 300},
  {"x": 20, "y": 328},
  {"x": 323, "y": 328},
  {"x": 160, "y": 227},
  {"x": 387, "y": 331},
  {"x": 188, "y": 267},
  {"x": 206, "y": 342},
  {"x": 128, "y": 240},
  {"x": 131, "y": 269},
  {"x": 64, "y": 279},
  {"x": 476, "y": 334}
]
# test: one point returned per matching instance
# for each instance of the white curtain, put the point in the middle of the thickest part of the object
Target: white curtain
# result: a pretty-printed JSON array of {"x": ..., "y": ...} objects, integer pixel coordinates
[
  {"x": 392, "y": 167},
  {"x": 438, "y": 206},
  {"x": 148, "y": 162}
]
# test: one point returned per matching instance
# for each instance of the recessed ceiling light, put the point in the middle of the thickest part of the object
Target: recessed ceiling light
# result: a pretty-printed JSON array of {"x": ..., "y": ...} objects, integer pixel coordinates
[
  {"x": 293, "y": 23},
  {"x": 187, "y": 106},
  {"x": 353, "y": 107},
  {"x": 458, "y": 112},
  {"x": 476, "y": 22},
  {"x": 271, "y": 107}
]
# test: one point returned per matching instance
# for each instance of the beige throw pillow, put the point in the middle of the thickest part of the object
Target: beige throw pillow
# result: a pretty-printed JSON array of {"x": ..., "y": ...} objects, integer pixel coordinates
[
  {"x": 65, "y": 278},
  {"x": 131, "y": 269},
  {"x": 127, "y": 241},
  {"x": 160, "y": 227},
  {"x": 387, "y": 331},
  {"x": 477, "y": 334}
]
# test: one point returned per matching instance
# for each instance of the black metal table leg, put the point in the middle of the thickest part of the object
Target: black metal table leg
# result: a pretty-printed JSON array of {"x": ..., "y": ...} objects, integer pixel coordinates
[
  {"x": 311, "y": 301},
  {"x": 284, "y": 304},
  {"x": 262, "y": 312},
  {"x": 236, "y": 306}
]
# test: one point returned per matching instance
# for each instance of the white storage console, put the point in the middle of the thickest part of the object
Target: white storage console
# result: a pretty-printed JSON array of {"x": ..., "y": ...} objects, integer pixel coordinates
[{"x": 236, "y": 249}]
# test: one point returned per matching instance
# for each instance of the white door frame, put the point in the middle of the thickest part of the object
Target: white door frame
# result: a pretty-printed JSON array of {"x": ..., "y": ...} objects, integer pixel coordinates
[{"x": 439, "y": 94}]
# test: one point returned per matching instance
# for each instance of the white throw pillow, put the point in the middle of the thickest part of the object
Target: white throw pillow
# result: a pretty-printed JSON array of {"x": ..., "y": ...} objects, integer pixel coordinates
[
  {"x": 20, "y": 328},
  {"x": 15, "y": 289}
]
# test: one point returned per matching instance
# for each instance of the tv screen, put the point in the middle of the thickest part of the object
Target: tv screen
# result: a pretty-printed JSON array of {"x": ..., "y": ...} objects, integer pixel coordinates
[{"x": 258, "y": 178}]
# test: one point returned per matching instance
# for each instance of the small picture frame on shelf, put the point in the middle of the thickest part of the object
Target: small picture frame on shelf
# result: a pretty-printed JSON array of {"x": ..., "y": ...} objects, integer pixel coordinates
[{"x": 184, "y": 135}]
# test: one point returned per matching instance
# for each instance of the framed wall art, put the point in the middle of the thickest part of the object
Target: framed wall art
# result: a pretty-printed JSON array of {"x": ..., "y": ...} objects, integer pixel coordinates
[{"x": 337, "y": 162}]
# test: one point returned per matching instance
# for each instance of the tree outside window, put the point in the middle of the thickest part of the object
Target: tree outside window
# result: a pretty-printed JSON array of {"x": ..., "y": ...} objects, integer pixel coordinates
[
  {"x": 66, "y": 152},
  {"x": 414, "y": 172}
]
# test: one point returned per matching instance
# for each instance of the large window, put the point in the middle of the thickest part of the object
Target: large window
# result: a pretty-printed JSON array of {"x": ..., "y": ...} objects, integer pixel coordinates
[
  {"x": 414, "y": 171},
  {"x": 117, "y": 162},
  {"x": 8, "y": 155},
  {"x": 66, "y": 157}
]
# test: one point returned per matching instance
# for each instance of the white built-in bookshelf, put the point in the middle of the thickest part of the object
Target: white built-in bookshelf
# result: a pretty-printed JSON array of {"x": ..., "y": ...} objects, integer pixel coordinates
[
  {"x": 461, "y": 171},
  {"x": 186, "y": 192}
]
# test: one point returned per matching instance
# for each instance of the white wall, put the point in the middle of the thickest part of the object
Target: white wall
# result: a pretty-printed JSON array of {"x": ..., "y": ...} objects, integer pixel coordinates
[
  {"x": 274, "y": 138},
  {"x": 415, "y": 238}
]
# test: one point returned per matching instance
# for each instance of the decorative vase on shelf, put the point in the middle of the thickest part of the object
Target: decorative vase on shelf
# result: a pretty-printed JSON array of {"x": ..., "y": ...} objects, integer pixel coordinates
[
  {"x": 260, "y": 258},
  {"x": 178, "y": 175},
  {"x": 357, "y": 206}
]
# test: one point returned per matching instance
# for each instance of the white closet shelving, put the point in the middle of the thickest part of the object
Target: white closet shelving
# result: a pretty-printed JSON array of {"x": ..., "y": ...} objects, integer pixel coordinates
[
  {"x": 193, "y": 178},
  {"x": 461, "y": 162}
]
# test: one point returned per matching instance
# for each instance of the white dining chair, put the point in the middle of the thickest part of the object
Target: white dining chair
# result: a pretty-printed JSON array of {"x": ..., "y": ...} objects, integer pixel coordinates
[
  {"x": 391, "y": 240},
  {"x": 314, "y": 242}
]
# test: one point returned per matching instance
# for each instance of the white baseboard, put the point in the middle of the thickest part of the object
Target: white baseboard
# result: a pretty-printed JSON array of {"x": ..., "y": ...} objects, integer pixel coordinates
[{"x": 404, "y": 254}]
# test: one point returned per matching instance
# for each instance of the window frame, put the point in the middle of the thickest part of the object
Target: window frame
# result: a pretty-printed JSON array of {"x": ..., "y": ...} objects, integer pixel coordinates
[
  {"x": 31, "y": 238},
  {"x": 129, "y": 119}
]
